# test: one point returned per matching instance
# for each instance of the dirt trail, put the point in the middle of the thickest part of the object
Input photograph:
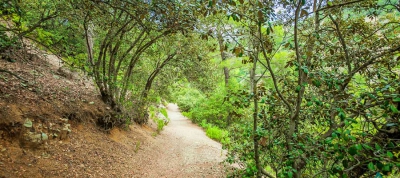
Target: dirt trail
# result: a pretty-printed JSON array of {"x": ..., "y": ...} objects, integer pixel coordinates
[{"x": 181, "y": 150}]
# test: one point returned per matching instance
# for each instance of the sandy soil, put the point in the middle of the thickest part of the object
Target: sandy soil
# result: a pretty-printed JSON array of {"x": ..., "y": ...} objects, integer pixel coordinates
[{"x": 181, "y": 150}]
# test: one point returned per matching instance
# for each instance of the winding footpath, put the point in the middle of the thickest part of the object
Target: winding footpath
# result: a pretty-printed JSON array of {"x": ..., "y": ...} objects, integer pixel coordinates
[{"x": 181, "y": 150}]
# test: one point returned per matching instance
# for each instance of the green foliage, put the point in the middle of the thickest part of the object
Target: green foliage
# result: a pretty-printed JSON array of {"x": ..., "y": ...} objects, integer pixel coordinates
[
  {"x": 321, "y": 88},
  {"x": 7, "y": 42},
  {"x": 216, "y": 133},
  {"x": 187, "y": 114},
  {"x": 213, "y": 108},
  {"x": 160, "y": 125},
  {"x": 153, "y": 114},
  {"x": 164, "y": 112},
  {"x": 187, "y": 98}
]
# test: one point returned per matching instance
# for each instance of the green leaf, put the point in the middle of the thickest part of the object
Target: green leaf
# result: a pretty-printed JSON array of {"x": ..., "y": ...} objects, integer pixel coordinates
[
  {"x": 377, "y": 147},
  {"x": 352, "y": 151},
  {"x": 342, "y": 115},
  {"x": 371, "y": 166},
  {"x": 305, "y": 70},
  {"x": 389, "y": 154},
  {"x": 393, "y": 109},
  {"x": 396, "y": 100},
  {"x": 334, "y": 135},
  {"x": 352, "y": 120},
  {"x": 367, "y": 147},
  {"x": 345, "y": 163},
  {"x": 290, "y": 174},
  {"x": 379, "y": 165},
  {"x": 386, "y": 168},
  {"x": 391, "y": 145},
  {"x": 358, "y": 146},
  {"x": 298, "y": 88},
  {"x": 316, "y": 83}
]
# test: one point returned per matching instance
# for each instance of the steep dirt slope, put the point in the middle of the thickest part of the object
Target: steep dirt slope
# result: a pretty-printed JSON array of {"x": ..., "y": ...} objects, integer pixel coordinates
[{"x": 48, "y": 118}]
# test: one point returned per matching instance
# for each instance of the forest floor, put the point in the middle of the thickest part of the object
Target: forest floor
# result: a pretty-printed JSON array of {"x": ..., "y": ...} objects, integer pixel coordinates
[{"x": 47, "y": 98}]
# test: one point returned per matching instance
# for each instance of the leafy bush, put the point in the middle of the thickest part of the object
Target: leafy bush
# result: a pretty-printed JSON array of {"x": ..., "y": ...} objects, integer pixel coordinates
[
  {"x": 164, "y": 112},
  {"x": 6, "y": 42},
  {"x": 160, "y": 122},
  {"x": 188, "y": 98},
  {"x": 216, "y": 133},
  {"x": 204, "y": 124},
  {"x": 160, "y": 125},
  {"x": 187, "y": 114}
]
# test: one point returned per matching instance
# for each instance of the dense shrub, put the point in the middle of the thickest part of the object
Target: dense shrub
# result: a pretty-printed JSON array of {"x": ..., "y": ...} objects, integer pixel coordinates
[
  {"x": 216, "y": 133},
  {"x": 164, "y": 112}
]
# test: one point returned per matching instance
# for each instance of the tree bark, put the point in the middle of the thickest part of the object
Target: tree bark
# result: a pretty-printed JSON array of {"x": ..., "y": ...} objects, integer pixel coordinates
[
  {"x": 226, "y": 71},
  {"x": 255, "y": 115},
  {"x": 223, "y": 57}
]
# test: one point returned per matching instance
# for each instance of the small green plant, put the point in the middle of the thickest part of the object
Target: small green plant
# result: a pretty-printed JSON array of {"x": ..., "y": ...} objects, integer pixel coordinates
[
  {"x": 165, "y": 103},
  {"x": 204, "y": 124},
  {"x": 7, "y": 42},
  {"x": 137, "y": 146},
  {"x": 128, "y": 121},
  {"x": 154, "y": 134},
  {"x": 187, "y": 114},
  {"x": 160, "y": 125},
  {"x": 164, "y": 112},
  {"x": 216, "y": 133}
]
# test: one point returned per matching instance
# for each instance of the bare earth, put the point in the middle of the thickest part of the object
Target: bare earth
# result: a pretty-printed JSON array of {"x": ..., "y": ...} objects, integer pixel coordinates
[{"x": 181, "y": 150}]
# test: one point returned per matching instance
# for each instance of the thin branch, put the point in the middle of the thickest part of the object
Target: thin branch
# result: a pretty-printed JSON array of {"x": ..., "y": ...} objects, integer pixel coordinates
[
  {"x": 37, "y": 24},
  {"x": 343, "y": 43},
  {"x": 274, "y": 78},
  {"x": 263, "y": 171},
  {"x": 15, "y": 75},
  {"x": 369, "y": 62},
  {"x": 339, "y": 5}
]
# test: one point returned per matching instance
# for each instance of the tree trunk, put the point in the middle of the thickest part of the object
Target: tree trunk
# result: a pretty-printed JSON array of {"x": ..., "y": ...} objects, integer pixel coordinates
[
  {"x": 89, "y": 41},
  {"x": 253, "y": 85},
  {"x": 226, "y": 71},
  {"x": 223, "y": 57}
]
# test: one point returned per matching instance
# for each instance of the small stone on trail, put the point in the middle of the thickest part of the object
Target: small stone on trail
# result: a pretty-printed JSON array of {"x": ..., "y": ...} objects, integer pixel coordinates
[
  {"x": 28, "y": 123},
  {"x": 44, "y": 136}
]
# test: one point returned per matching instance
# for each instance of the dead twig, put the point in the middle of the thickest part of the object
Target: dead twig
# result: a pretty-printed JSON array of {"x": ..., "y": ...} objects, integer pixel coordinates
[{"x": 15, "y": 75}]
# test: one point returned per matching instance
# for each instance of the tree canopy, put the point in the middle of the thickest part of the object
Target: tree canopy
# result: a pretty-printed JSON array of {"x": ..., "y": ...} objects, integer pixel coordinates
[{"x": 299, "y": 88}]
